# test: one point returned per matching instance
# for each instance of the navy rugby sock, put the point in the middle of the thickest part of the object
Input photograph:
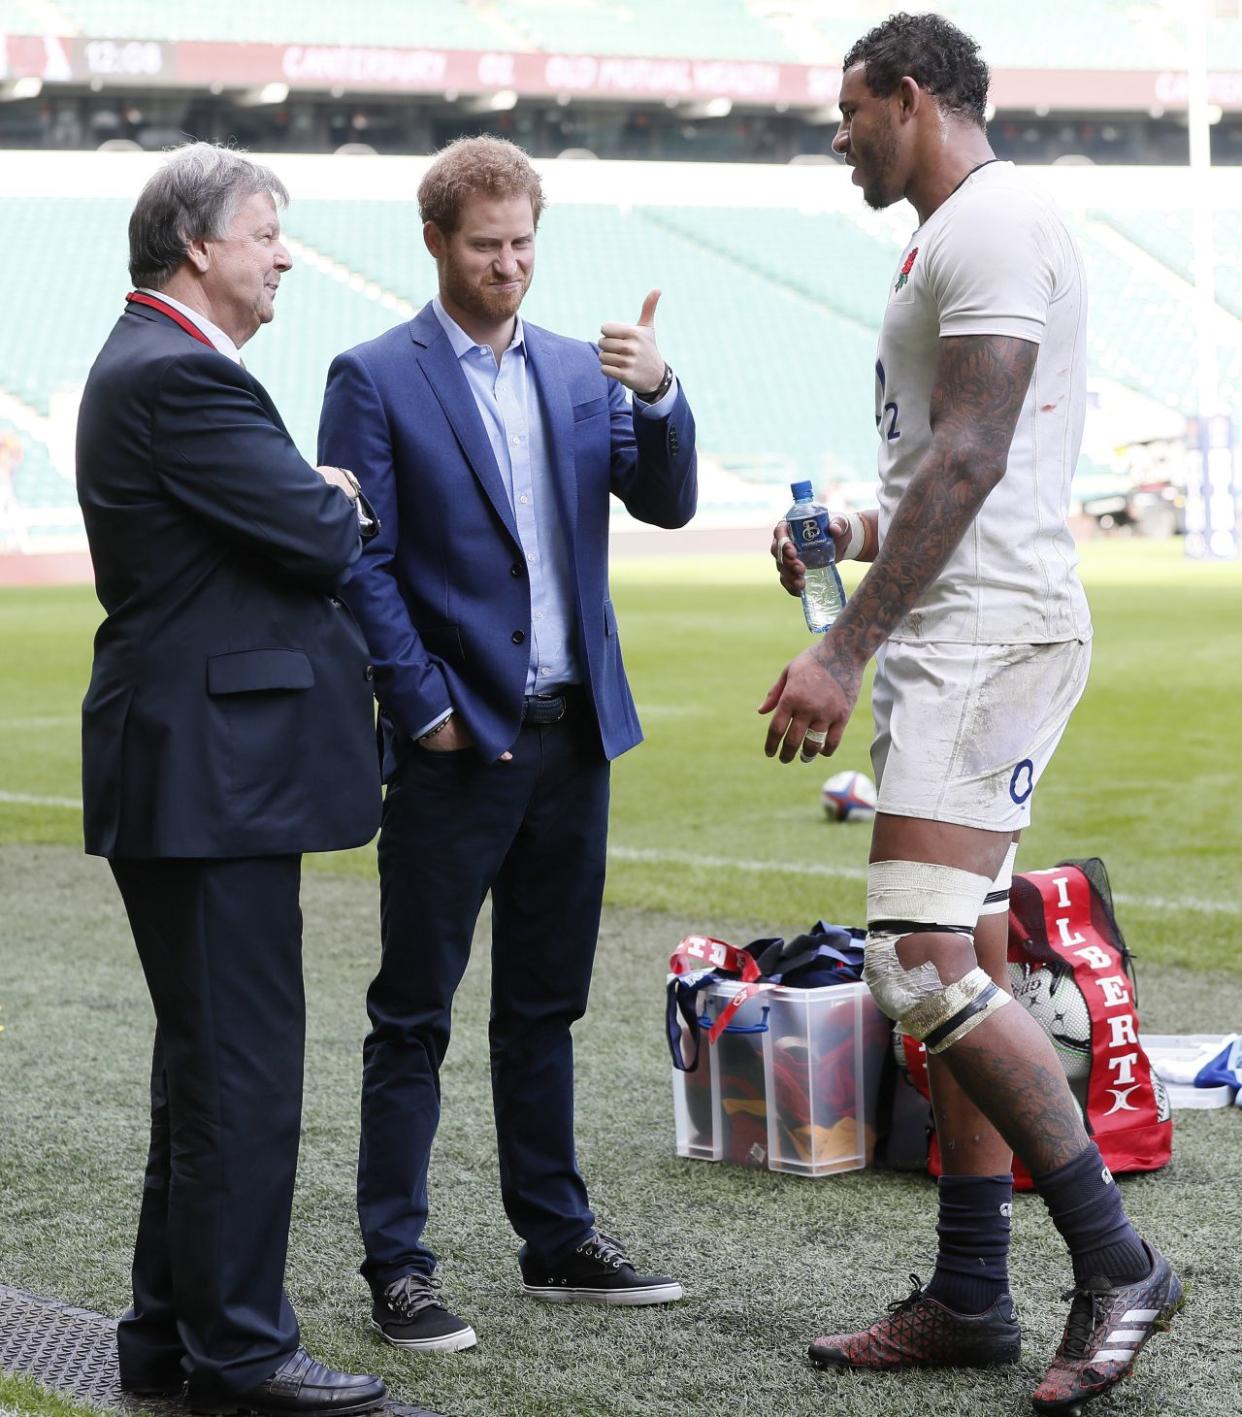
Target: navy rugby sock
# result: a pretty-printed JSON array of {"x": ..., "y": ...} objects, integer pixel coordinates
[
  {"x": 1085, "y": 1206},
  {"x": 972, "y": 1269}
]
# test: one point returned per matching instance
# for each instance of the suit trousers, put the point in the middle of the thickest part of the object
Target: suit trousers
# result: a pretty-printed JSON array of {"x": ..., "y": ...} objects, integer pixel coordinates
[
  {"x": 533, "y": 831},
  {"x": 221, "y": 947}
]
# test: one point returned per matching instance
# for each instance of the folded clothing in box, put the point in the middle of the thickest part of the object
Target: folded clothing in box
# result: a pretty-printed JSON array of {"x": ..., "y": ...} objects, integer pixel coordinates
[{"x": 790, "y": 1076}]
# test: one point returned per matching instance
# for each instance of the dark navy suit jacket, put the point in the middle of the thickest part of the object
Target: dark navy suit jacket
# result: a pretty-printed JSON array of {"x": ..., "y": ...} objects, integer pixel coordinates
[
  {"x": 442, "y": 591},
  {"x": 229, "y": 711}
]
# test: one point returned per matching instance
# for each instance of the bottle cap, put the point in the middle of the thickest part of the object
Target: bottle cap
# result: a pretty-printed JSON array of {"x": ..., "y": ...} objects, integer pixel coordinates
[{"x": 802, "y": 491}]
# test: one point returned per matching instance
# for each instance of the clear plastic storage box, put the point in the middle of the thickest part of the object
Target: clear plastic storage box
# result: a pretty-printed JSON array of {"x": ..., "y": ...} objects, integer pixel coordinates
[{"x": 791, "y": 1084}]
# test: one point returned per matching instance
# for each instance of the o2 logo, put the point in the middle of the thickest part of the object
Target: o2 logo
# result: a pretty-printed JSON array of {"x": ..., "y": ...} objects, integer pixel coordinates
[
  {"x": 885, "y": 411},
  {"x": 1022, "y": 782}
]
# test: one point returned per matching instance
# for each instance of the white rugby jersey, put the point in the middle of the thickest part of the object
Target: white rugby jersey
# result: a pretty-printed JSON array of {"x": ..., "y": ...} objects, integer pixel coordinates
[{"x": 994, "y": 259}]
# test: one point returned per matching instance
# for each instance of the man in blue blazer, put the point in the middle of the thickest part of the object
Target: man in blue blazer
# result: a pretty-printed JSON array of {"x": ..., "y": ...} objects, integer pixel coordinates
[
  {"x": 227, "y": 729},
  {"x": 489, "y": 449}
]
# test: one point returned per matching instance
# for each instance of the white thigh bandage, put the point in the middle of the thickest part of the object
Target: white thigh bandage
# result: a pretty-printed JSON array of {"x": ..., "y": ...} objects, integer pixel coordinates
[
  {"x": 918, "y": 898},
  {"x": 996, "y": 902}
]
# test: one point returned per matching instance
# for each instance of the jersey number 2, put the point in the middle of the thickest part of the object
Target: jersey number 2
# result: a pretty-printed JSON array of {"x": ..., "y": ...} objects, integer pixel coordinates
[{"x": 887, "y": 411}]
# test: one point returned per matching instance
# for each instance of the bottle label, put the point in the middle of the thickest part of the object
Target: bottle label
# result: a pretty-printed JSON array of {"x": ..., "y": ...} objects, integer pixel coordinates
[{"x": 811, "y": 534}]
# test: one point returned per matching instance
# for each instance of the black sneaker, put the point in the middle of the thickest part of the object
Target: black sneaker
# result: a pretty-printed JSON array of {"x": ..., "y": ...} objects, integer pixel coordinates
[
  {"x": 409, "y": 1314},
  {"x": 921, "y": 1332},
  {"x": 597, "y": 1272}
]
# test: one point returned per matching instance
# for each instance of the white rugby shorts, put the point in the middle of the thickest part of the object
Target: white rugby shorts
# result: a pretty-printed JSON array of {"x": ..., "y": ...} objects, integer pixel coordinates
[{"x": 964, "y": 732}]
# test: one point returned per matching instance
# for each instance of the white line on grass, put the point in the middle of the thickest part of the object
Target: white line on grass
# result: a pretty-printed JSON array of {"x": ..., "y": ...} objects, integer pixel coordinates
[
  {"x": 26, "y": 799},
  {"x": 856, "y": 873},
  {"x": 650, "y": 855}
]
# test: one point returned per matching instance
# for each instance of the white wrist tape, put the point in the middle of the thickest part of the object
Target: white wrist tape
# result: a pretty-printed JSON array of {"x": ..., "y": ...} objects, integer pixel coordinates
[{"x": 858, "y": 534}]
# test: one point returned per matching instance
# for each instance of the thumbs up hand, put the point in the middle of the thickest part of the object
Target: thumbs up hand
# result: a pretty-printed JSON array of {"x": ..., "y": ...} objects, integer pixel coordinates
[{"x": 629, "y": 354}]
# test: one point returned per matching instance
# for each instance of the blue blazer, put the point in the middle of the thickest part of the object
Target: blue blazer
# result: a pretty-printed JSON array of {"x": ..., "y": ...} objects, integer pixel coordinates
[
  {"x": 442, "y": 592},
  {"x": 229, "y": 711}
]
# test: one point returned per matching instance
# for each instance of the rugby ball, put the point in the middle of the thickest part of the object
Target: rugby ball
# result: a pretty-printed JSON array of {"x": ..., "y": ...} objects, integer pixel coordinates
[
  {"x": 848, "y": 797},
  {"x": 1055, "y": 1002}
]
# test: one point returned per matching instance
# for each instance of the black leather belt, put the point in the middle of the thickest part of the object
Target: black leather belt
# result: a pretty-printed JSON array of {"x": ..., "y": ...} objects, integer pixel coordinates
[{"x": 542, "y": 709}]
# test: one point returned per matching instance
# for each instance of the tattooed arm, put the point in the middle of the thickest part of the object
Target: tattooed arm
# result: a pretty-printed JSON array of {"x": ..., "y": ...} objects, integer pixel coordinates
[{"x": 981, "y": 382}]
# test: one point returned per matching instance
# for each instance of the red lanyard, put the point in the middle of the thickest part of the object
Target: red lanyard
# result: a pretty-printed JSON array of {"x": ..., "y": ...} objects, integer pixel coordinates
[{"x": 136, "y": 297}]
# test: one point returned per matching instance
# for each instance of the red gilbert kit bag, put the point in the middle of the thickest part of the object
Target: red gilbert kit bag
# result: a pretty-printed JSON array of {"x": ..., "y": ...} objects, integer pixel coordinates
[{"x": 1070, "y": 968}]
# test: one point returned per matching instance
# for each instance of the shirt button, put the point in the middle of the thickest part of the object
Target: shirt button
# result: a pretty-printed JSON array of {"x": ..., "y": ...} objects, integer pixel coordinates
[
  {"x": 545, "y": 669},
  {"x": 532, "y": 556},
  {"x": 524, "y": 499},
  {"x": 538, "y": 614},
  {"x": 518, "y": 637},
  {"x": 516, "y": 440}
]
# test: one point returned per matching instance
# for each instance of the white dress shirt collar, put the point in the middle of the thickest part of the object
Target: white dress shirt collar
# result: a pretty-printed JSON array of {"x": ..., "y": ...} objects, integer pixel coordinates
[
  {"x": 462, "y": 342},
  {"x": 213, "y": 332}
]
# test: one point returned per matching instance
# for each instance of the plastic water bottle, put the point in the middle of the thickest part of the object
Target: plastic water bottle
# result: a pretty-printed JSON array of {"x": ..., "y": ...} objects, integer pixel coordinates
[{"x": 823, "y": 597}]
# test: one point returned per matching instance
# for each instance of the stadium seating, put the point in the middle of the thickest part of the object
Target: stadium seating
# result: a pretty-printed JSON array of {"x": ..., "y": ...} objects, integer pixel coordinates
[
  {"x": 1167, "y": 236},
  {"x": 650, "y": 27},
  {"x": 64, "y": 260},
  {"x": 36, "y": 483},
  {"x": 806, "y": 253},
  {"x": 769, "y": 316},
  {"x": 38, "y": 505},
  {"x": 596, "y": 264}
]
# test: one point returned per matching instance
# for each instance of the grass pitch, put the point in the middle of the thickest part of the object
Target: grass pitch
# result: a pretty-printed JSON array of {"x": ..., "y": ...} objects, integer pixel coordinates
[
  {"x": 706, "y": 833},
  {"x": 1148, "y": 775}
]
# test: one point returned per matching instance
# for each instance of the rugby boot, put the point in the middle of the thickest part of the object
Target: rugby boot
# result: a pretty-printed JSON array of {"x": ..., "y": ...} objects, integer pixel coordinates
[
  {"x": 921, "y": 1332},
  {"x": 1105, "y": 1332}
]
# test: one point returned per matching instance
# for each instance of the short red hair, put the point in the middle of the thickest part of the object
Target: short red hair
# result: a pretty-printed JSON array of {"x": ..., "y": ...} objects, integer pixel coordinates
[{"x": 493, "y": 166}]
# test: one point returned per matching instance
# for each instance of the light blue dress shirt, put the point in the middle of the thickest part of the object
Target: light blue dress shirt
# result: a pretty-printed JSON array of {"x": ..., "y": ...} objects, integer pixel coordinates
[{"x": 513, "y": 417}]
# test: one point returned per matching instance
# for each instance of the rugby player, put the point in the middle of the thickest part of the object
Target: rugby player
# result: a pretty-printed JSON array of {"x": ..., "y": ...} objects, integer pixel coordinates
[{"x": 981, "y": 634}]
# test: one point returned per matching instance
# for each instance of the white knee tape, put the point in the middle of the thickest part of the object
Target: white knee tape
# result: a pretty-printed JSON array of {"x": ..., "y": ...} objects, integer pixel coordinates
[
  {"x": 951, "y": 1014},
  {"x": 896, "y": 989},
  {"x": 996, "y": 902},
  {"x": 919, "y": 897},
  {"x": 925, "y": 893}
]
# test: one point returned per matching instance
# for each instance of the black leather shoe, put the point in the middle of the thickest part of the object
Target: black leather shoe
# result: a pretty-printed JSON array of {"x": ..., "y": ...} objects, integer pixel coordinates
[{"x": 303, "y": 1386}]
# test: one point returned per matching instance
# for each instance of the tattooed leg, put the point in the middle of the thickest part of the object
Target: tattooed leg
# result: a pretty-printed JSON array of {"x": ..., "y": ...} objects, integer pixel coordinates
[
  {"x": 969, "y": 1144},
  {"x": 1006, "y": 1068},
  {"x": 1010, "y": 1071}
]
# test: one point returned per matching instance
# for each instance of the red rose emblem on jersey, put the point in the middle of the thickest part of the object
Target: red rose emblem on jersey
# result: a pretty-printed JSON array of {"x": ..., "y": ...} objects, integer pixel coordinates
[{"x": 907, "y": 267}]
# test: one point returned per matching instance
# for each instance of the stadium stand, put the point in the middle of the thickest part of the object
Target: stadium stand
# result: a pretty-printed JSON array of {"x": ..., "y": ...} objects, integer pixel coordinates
[
  {"x": 649, "y": 27},
  {"x": 599, "y": 263},
  {"x": 38, "y": 506},
  {"x": 770, "y": 312},
  {"x": 64, "y": 260},
  {"x": 806, "y": 253},
  {"x": 36, "y": 483},
  {"x": 1167, "y": 237}
]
